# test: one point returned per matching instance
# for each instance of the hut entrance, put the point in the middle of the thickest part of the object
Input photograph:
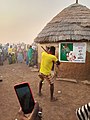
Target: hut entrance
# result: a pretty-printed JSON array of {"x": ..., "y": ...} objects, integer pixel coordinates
[{"x": 52, "y": 50}]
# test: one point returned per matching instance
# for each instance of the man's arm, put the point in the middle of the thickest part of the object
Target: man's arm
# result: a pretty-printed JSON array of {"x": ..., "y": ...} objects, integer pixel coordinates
[{"x": 57, "y": 62}]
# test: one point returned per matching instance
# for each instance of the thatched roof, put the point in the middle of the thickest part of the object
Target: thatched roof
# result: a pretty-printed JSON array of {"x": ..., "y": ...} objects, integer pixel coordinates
[{"x": 71, "y": 24}]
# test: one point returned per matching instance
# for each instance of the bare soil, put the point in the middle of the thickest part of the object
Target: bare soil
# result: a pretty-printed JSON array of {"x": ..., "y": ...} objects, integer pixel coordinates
[{"x": 72, "y": 96}]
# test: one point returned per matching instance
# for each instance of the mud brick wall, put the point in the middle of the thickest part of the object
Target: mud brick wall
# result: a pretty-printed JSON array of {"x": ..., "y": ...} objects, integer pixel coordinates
[{"x": 79, "y": 71}]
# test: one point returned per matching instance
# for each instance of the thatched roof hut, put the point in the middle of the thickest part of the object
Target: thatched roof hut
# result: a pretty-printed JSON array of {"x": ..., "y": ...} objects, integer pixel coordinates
[{"x": 71, "y": 25}]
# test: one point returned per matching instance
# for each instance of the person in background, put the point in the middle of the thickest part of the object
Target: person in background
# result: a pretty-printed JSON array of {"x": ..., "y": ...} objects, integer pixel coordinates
[
  {"x": 45, "y": 71},
  {"x": 1, "y": 55},
  {"x": 6, "y": 51},
  {"x": 19, "y": 55},
  {"x": 13, "y": 57},
  {"x": 10, "y": 54},
  {"x": 35, "y": 56},
  {"x": 10, "y": 50},
  {"x": 30, "y": 53},
  {"x": 25, "y": 54}
]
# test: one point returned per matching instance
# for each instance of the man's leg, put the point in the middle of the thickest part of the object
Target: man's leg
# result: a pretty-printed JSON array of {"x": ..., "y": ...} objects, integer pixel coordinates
[
  {"x": 51, "y": 82},
  {"x": 51, "y": 90},
  {"x": 1, "y": 80},
  {"x": 41, "y": 83},
  {"x": 40, "y": 86}
]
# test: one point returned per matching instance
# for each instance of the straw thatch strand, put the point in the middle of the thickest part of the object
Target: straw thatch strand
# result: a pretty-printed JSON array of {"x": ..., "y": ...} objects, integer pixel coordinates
[{"x": 71, "y": 24}]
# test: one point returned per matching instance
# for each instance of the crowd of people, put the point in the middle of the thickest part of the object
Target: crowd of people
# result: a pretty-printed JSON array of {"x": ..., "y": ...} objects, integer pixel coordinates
[{"x": 18, "y": 53}]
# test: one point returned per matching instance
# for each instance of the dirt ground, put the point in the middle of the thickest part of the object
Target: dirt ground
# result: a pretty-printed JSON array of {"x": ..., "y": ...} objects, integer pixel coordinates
[{"x": 72, "y": 96}]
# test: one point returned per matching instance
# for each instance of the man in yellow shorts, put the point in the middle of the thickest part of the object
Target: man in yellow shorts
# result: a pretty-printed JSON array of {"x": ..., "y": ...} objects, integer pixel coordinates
[{"x": 45, "y": 72}]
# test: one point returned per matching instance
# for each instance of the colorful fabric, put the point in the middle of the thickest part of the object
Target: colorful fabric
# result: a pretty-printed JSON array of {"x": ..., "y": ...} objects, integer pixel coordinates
[
  {"x": 13, "y": 58},
  {"x": 19, "y": 57},
  {"x": 30, "y": 56},
  {"x": 1, "y": 59},
  {"x": 10, "y": 59},
  {"x": 49, "y": 78},
  {"x": 30, "y": 51},
  {"x": 9, "y": 50}
]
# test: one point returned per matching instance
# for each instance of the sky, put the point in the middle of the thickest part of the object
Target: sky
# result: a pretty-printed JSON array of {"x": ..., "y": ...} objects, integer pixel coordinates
[{"x": 23, "y": 20}]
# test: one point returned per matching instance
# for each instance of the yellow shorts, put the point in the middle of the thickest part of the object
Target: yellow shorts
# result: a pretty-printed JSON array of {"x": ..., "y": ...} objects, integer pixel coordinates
[{"x": 50, "y": 78}]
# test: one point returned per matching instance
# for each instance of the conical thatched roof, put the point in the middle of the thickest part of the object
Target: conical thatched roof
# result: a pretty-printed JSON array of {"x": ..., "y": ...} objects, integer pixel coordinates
[{"x": 71, "y": 24}]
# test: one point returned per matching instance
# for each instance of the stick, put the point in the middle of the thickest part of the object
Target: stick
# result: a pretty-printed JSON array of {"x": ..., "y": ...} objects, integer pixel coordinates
[{"x": 43, "y": 48}]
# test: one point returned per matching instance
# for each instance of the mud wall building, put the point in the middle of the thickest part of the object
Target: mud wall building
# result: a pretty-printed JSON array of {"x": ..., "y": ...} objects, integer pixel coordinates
[{"x": 71, "y": 25}]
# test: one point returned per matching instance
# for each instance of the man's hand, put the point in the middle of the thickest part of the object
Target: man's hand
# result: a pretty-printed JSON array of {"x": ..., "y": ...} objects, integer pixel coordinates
[
  {"x": 57, "y": 62},
  {"x": 34, "y": 115}
]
